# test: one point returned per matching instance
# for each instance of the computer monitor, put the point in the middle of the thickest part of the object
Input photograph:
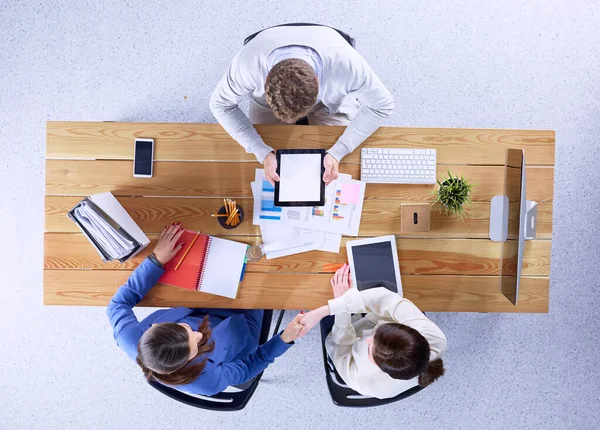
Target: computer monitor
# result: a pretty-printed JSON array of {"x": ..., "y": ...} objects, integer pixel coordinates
[
  {"x": 512, "y": 220},
  {"x": 514, "y": 246}
]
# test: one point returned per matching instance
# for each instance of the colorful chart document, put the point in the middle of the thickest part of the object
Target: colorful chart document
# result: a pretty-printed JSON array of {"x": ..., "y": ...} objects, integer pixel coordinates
[
  {"x": 341, "y": 213},
  {"x": 280, "y": 236}
]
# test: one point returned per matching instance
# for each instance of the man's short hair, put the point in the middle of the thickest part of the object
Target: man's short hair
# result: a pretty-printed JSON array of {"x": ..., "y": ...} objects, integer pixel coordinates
[{"x": 291, "y": 89}]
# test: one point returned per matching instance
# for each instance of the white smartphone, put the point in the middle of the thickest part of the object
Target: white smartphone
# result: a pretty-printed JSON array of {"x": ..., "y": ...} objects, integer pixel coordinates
[{"x": 143, "y": 158}]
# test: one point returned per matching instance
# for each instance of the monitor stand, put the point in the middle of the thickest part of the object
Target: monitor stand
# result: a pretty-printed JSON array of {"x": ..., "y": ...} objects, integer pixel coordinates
[
  {"x": 530, "y": 219},
  {"x": 499, "y": 219}
]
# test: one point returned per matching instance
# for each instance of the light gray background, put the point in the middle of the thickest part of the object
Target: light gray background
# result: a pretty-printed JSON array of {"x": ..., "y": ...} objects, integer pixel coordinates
[{"x": 509, "y": 64}]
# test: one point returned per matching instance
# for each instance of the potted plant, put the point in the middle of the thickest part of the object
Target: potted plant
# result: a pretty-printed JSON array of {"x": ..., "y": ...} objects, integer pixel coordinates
[{"x": 453, "y": 194}]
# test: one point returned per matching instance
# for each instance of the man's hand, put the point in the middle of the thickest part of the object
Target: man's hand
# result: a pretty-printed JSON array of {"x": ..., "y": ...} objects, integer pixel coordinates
[
  {"x": 331, "y": 169},
  {"x": 167, "y": 246},
  {"x": 270, "y": 164},
  {"x": 340, "y": 281}
]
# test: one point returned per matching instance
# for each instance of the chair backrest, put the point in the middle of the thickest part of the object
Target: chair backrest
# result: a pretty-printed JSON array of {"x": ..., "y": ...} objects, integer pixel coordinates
[
  {"x": 341, "y": 394},
  {"x": 346, "y": 36},
  {"x": 224, "y": 401}
]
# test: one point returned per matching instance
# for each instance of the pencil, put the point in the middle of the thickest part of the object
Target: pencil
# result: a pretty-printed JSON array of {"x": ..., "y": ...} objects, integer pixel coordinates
[
  {"x": 218, "y": 215},
  {"x": 187, "y": 250},
  {"x": 231, "y": 216}
]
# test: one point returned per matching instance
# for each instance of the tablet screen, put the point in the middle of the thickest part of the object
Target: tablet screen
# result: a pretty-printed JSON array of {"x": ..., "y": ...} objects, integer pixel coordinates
[
  {"x": 300, "y": 178},
  {"x": 374, "y": 266}
]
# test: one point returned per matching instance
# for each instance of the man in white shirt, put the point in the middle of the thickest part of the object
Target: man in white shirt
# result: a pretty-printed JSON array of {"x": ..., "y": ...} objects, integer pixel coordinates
[{"x": 291, "y": 72}]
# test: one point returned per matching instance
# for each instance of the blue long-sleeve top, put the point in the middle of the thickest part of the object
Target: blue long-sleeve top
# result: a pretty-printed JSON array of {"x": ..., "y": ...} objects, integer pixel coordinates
[{"x": 236, "y": 357}]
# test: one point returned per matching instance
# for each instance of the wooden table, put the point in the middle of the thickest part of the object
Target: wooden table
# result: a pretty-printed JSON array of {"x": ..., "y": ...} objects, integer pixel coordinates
[{"x": 455, "y": 267}]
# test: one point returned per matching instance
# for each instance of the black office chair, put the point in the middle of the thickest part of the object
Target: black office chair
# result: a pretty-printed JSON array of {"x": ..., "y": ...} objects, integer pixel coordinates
[
  {"x": 346, "y": 36},
  {"x": 341, "y": 394},
  {"x": 224, "y": 401}
]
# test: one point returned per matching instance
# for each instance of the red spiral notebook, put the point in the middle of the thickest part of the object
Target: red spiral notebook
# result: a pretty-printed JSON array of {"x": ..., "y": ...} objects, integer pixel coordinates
[{"x": 213, "y": 265}]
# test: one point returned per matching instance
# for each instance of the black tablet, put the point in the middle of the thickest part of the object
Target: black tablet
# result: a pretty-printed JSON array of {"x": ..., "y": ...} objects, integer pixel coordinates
[
  {"x": 300, "y": 177},
  {"x": 374, "y": 263}
]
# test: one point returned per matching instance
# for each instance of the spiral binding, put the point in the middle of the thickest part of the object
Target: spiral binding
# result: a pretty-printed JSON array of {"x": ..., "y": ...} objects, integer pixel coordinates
[{"x": 203, "y": 257}]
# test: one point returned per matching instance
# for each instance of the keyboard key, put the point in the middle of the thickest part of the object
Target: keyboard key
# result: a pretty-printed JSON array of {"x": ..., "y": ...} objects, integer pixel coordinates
[
  {"x": 398, "y": 165},
  {"x": 401, "y": 151}
]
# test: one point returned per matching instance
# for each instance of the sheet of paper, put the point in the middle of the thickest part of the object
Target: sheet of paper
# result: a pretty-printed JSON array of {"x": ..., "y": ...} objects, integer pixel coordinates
[
  {"x": 330, "y": 242},
  {"x": 333, "y": 217},
  {"x": 103, "y": 233},
  {"x": 281, "y": 240},
  {"x": 300, "y": 178},
  {"x": 350, "y": 193},
  {"x": 264, "y": 202}
]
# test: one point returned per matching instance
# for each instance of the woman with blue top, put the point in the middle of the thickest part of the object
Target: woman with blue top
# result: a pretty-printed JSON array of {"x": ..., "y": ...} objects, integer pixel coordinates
[{"x": 198, "y": 351}]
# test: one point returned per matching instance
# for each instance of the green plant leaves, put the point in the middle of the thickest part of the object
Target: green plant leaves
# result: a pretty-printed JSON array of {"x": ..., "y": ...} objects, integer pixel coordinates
[{"x": 453, "y": 194}]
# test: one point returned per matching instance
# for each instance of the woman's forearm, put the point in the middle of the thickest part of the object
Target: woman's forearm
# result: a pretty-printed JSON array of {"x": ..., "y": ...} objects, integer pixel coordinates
[{"x": 323, "y": 311}]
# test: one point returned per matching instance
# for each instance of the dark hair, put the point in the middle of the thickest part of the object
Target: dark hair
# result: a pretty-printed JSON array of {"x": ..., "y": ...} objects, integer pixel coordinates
[
  {"x": 291, "y": 88},
  {"x": 164, "y": 351},
  {"x": 403, "y": 353}
]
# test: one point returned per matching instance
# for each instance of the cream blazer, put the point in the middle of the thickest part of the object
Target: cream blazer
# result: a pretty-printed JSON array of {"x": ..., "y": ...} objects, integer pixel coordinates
[{"x": 347, "y": 346}]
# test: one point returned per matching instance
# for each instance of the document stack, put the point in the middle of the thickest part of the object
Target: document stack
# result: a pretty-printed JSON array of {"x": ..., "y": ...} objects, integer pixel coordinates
[
  {"x": 292, "y": 230},
  {"x": 108, "y": 227}
]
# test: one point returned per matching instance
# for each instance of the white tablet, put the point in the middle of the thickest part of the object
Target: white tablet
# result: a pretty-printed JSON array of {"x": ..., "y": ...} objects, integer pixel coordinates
[
  {"x": 300, "y": 177},
  {"x": 374, "y": 263}
]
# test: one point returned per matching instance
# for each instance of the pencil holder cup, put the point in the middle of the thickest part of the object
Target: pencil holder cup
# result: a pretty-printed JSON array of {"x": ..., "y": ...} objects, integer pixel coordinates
[{"x": 223, "y": 219}]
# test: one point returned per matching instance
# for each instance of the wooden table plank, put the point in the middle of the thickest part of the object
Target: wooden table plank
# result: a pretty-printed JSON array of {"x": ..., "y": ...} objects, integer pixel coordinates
[
  {"x": 435, "y": 293},
  {"x": 416, "y": 256},
  {"x": 69, "y": 177},
  {"x": 379, "y": 217},
  {"x": 111, "y": 140}
]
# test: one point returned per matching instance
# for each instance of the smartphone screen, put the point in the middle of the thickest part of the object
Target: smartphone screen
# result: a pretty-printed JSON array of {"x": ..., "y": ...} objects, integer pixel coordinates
[{"x": 143, "y": 157}]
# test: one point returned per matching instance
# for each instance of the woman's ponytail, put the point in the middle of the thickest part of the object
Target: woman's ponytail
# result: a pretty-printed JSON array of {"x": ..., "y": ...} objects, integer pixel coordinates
[
  {"x": 433, "y": 371},
  {"x": 403, "y": 353}
]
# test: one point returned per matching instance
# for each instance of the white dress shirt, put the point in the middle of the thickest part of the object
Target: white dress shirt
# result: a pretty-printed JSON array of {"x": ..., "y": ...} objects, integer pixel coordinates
[{"x": 344, "y": 74}]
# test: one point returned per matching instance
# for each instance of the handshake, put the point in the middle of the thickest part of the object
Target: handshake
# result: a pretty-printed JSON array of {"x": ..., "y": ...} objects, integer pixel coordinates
[{"x": 304, "y": 322}]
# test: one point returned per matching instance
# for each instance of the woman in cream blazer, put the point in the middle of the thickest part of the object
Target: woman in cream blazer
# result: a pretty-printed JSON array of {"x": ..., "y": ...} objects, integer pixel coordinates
[{"x": 393, "y": 348}]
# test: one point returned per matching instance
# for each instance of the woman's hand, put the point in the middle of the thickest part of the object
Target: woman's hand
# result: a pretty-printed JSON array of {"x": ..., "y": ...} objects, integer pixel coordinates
[
  {"x": 167, "y": 246},
  {"x": 313, "y": 318},
  {"x": 292, "y": 331},
  {"x": 340, "y": 281}
]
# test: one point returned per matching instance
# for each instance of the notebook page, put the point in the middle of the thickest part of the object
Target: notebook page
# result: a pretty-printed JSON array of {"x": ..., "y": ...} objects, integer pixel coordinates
[{"x": 223, "y": 268}]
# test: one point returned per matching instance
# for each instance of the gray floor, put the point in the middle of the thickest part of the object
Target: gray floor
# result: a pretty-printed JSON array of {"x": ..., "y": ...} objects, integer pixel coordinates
[{"x": 525, "y": 64}]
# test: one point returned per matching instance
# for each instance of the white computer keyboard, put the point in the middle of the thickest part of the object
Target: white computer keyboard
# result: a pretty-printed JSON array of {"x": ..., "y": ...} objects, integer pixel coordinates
[{"x": 398, "y": 166}]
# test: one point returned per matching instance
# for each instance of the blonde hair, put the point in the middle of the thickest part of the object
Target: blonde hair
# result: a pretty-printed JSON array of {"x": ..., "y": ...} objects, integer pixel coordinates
[{"x": 291, "y": 89}]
